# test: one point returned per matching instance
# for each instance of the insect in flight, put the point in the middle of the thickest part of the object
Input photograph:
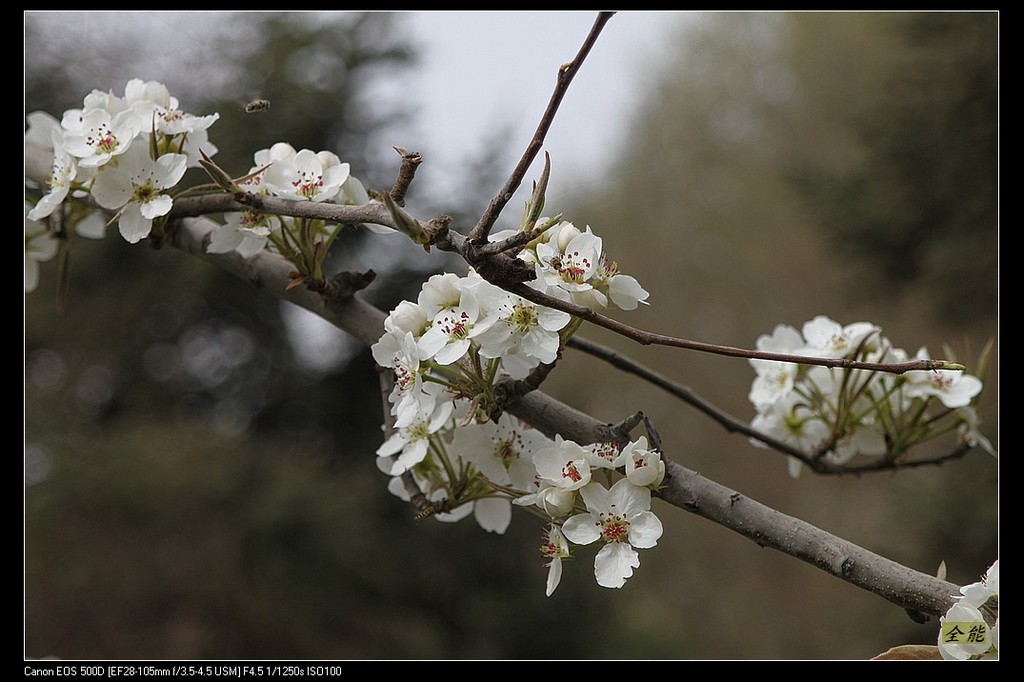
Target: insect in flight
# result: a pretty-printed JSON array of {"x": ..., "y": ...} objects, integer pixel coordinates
[{"x": 257, "y": 105}]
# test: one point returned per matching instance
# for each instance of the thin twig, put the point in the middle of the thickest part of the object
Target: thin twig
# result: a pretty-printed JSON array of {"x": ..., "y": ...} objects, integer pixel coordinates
[
  {"x": 684, "y": 393},
  {"x": 649, "y": 338},
  {"x": 565, "y": 75},
  {"x": 410, "y": 162},
  {"x": 734, "y": 425}
]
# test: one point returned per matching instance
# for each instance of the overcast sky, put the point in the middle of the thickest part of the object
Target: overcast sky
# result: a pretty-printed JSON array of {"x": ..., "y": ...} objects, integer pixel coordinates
[{"x": 485, "y": 70}]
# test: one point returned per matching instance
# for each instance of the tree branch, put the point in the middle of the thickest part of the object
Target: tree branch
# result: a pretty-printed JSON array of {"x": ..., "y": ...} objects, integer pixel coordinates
[
  {"x": 566, "y": 73},
  {"x": 376, "y": 213},
  {"x": 650, "y": 338},
  {"x": 410, "y": 162}
]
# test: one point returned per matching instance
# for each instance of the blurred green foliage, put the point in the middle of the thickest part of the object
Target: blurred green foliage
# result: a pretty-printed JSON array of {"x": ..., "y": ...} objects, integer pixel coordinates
[{"x": 195, "y": 488}]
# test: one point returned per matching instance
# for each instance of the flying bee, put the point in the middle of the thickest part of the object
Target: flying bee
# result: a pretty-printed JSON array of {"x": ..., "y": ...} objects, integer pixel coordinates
[{"x": 257, "y": 105}]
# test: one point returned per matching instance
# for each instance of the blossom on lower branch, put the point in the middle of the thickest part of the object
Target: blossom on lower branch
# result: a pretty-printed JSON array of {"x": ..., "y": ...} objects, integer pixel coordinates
[
  {"x": 454, "y": 451},
  {"x": 620, "y": 517},
  {"x": 554, "y": 548},
  {"x": 834, "y": 414}
]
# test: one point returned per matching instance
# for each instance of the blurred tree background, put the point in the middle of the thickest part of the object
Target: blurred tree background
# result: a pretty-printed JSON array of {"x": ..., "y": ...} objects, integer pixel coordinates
[{"x": 199, "y": 476}]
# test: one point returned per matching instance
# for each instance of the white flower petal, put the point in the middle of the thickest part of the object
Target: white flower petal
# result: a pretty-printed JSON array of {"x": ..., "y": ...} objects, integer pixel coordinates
[
  {"x": 645, "y": 530},
  {"x": 614, "y": 563},
  {"x": 156, "y": 207},
  {"x": 554, "y": 576},
  {"x": 134, "y": 227},
  {"x": 493, "y": 514},
  {"x": 581, "y": 529}
]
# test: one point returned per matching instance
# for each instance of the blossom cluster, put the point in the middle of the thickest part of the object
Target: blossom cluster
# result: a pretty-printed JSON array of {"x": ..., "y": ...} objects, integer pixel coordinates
[
  {"x": 125, "y": 152},
  {"x": 836, "y": 414},
  {"x": 450, "y": 443},
  {"x": 304, "y": 175},
  {"x": 964, "y": 633},
  {"x": 573, "y": 262}
]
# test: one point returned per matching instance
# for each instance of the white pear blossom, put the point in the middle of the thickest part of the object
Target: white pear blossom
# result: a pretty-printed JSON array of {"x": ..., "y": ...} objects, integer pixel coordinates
[
  {"x": 826, "y": 338},
  {"x": 248, "y": 231},
  {"x": 953, "y": 388},
  {"x": 307, "y": 176},
  {"x": 790, "y": 421},
  {"x": 279, "y": 151},
  {"x": 565, "y": 464},
  {"x": 407, "y": 317},
  {"x": 411, "y": 442},
  {"x": 62, "y": 174},
  {"x": 41, "y": 127},
  {"x": 774, "y": 380},
  {"x": 556, "y": 501},
  {"x": 135, "y": 187},
  {"x": 559, "y": 236},
  {"x": 853, "y": 411},
  {"x": 969, "y": 430},
  {"x": 106, "y": 100},
  {"x": 40, "y": 246},
  {"x": 570, "y": 269},
  {"x": 399, "y": 352},
  {"x": 523, "y": 334},
  {"x": 967, "y": 635},
  {"x": 603, "y": 455},
  {"x": 783, "y": 339},
  {"x": 453, "y": 329},
  {"x": 623, "y": 290},
  {"x": 643, "y": 466},
  {"x": 245, "y": 233},
  {"x": 440, "y": 292},
  {"x": 493, "y": 514},
  {"x": 93, "y": 226},
  {"x": 554, "y": 548},
  {"x": 502, "y": 451},
  {"x": 569, "y": 260},
  {"x": 620, "y": 517},
  {"x": 98, "y": 137},
  {"x": 977, "y": 594},
  {"x": 148, "y": 97},
  {"x": 866, "y": 439},
  {"x": 433, "y": 488},
  {"x": 196, "y": 142}
]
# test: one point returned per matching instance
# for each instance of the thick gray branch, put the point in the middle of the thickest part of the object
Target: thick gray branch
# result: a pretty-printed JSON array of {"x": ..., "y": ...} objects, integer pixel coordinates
[{"x": 271, "y": 273}]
